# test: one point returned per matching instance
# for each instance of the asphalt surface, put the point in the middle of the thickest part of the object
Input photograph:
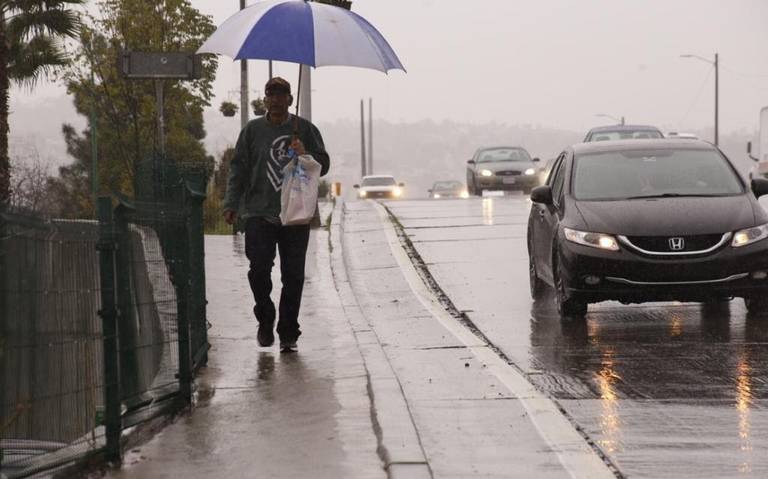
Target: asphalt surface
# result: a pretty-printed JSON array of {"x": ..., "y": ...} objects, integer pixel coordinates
[{"x": 664, "y": 389}]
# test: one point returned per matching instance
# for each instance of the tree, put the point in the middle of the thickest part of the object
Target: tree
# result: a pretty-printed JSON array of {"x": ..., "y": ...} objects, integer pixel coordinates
[
  {"x": 30, "y": 31},
  {"x": 125, "y": 109},
  {"x": 29, "y": 182}
]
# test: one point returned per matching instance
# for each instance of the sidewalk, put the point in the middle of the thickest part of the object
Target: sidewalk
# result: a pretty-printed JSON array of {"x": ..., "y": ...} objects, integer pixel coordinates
[
  {"x": 260, "y": 413},
  {"x": 385, "y": 383}
]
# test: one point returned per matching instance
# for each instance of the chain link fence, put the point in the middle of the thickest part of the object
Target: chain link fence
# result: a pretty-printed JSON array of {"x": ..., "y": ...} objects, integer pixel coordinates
[{"x": 102, "y": 325}]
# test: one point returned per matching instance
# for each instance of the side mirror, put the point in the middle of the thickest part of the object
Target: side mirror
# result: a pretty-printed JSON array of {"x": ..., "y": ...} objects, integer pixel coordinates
[
  {"x": 542, "y": 194},
  {"x": 429, "y": 191},
  {"x": 355, "y": 186},
  {"x": 401, "y": 185},
  {"x": 749, "y": 152},
  {"x": 759, "y": 187},
  {"x": 536, "y": 159},
  {"x": 470, "y": 162}
]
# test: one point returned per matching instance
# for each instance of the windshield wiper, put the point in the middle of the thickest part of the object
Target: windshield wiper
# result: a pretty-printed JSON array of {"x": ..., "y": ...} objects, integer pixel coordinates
[{"x": 670, "y": 195}]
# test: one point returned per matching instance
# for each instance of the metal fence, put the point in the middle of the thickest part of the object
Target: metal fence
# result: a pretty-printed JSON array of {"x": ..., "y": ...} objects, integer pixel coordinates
[{"x": 102, "y": 325}]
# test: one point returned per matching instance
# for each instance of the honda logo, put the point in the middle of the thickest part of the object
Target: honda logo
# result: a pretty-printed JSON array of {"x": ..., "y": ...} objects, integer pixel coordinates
[{"x": 676, "y": 244}]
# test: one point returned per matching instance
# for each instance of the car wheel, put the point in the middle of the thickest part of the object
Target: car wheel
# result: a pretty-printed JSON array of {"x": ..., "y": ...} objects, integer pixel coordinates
[
  {"x": 568, "y": 307},
  {"x": 536, "y": 284},
  {"x": 757, "y": 305}
]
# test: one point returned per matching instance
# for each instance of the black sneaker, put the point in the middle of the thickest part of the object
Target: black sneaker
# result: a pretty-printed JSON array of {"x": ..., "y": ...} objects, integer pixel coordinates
[
  {"x": 288, "y": 346},
  {"x": 265, "y": 335}
]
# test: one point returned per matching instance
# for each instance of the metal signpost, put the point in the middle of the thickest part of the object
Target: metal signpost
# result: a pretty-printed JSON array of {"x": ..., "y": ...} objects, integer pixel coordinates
[{"x": 160, "y": 66}]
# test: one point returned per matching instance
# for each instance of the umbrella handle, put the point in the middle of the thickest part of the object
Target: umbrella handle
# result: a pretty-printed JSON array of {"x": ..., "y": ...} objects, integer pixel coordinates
[{"x": 296, "y": 116}]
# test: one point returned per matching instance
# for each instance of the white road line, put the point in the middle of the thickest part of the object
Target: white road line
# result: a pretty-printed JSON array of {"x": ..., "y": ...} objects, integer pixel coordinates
[{"x": 575, "y": 454}]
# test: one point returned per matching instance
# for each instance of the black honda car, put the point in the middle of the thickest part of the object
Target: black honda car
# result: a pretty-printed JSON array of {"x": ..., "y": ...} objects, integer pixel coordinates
[{"x": 648, "y": 220}]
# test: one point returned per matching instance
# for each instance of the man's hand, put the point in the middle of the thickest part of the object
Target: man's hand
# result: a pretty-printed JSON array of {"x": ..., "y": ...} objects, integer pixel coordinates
[
  {"x": 298, "y": 146},
  {"x": 230, "y": 216}
]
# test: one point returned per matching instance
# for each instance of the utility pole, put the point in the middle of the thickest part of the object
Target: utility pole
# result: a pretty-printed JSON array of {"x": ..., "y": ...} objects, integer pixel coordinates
[
  {"x": 370, "y": 135},
  {"x": 362, "y": 140},
  {"x": 244, "y": 107},
  {"x": 717, "y": 134},
  {"x": 305, "y": 95}
]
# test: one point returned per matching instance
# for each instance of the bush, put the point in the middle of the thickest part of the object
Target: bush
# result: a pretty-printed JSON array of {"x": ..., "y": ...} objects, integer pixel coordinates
[
  {"x": 228, "y": 108},
  {"x": 258, "y": 106},
  {"x": 323, "y": 189}
]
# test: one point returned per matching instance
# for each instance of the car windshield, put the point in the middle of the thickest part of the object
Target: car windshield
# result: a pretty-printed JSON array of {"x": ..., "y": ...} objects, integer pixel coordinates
[
  {"x": 447, "y": 185},
  {"x": 379, "y": 181},
  {"x": 503, "y": 154},
  {"x": 618, "y": 175},
  {"x": 624, "y": 135}
]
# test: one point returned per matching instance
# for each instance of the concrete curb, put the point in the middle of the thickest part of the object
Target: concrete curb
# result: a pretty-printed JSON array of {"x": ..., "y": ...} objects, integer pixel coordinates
[{"x": 399, "y": 447}]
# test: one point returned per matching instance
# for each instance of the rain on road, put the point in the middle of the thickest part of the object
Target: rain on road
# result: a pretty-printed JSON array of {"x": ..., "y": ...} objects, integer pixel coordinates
[{"x": 664, "y": 389}]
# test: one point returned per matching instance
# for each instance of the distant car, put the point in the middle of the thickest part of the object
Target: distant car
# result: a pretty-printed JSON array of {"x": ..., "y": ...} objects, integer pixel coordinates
[
  {"x": 379, "y": 186},
  {"x": 650, "y": 220},
  {"x": 681, "y": 136},
  {"x": 501, "y": 168},
  {"x": 623, "y": 132},
  {"x": 448, "y": 189}
]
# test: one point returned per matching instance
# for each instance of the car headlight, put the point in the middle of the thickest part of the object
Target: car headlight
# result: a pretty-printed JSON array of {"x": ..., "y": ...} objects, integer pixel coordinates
[
  {"x": 595, "y": 240},
  {"x": 530, "y": 171},
  {"x": 464, "y": 194},
  {"x": 749, "y": 235},
  {"x": 436, "y": 195},
  {"x": 397, "y": 192},
  {"x": 486, "y": 173},
  {"x": 363, "y": 193}
]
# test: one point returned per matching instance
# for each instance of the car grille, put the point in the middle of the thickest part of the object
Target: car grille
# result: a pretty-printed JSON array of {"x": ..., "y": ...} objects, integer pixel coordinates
[
  {"x": 509, "y": 173},
  {"x": 378, "y": 194},
  {"x": 686, "y": 244}
]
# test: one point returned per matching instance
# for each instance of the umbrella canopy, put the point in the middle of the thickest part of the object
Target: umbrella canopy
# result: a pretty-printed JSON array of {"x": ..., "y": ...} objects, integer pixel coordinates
[{"x": 302, "y": 32}]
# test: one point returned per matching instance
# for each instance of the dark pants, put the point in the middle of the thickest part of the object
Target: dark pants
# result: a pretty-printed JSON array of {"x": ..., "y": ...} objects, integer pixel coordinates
[{"x": 261, "y": 238}]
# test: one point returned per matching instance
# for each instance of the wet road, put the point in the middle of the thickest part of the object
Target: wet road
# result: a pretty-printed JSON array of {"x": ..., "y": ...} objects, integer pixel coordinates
[{"x": 665, "y": 389}]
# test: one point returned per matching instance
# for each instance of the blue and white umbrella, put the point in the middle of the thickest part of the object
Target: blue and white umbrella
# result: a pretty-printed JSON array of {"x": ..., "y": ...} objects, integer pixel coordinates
[{"x": 299, "y": 31}]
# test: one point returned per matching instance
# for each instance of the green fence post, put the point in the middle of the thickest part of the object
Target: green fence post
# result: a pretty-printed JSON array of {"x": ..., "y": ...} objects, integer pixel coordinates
[
  {"x": 108, "y": 313},
  {"x": 4, "y": 238},
  {"x": 196, "y": 260},
  {"x": 182, "y": 311}
]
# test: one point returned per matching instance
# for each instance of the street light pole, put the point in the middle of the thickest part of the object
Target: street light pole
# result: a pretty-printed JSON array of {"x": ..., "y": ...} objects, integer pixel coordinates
[
  {"x": 716, "y": 64},
  {"x": 717, "y": 133}
]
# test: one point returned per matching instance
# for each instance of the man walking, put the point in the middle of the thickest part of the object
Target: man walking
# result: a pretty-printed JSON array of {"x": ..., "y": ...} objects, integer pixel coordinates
[{"x": 263, "y": 148}]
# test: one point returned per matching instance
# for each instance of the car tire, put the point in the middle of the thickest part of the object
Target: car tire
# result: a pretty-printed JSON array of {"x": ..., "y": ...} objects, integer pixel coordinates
[
  {"x": 567, "y": 307},
  {"x": 757, "y": 305},
  {"x": 536, "y": 284}
]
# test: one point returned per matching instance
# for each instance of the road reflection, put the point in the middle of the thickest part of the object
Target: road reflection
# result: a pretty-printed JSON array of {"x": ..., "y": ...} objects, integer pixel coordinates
[
  {"x": 610, "y": 422},
  {"x": 743, "y": 406},
  {"x": 661, "y": 366},
  {"x": 488, "y": 211}
]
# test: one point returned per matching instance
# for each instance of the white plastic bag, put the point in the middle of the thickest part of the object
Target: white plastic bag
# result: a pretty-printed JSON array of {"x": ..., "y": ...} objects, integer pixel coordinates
[{"x": 298, "y": 198}]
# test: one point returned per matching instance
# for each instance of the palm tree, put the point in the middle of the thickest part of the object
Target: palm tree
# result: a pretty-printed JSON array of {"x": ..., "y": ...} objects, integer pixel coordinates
[{"x": 30, "y": 35}]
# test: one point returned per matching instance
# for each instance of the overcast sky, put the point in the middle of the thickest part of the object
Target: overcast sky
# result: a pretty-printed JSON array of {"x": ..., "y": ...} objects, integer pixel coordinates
[{"x": 556, "y": 63}]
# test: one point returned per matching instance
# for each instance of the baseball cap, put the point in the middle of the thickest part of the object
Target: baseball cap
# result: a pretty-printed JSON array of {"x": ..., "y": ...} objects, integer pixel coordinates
[{"x": 277, "y": 84}]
